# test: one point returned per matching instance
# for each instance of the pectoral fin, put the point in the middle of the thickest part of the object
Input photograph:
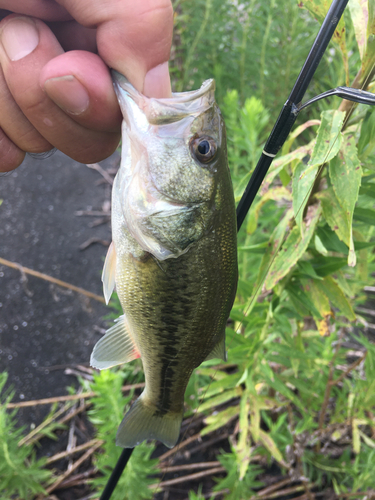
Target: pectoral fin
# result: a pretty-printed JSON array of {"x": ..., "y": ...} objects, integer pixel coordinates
[
  {"x": 109, "y": 273},
  {"x": 218, "y": 351},
  {"x": 116, "y": 347}
]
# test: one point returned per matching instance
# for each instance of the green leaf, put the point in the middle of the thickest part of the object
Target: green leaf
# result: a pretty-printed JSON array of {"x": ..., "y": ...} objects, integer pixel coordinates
[
  {"x": 270, "y": 445},
  {"x": 220, "y": 399},
  {"x": 327, "y": 145},
  {"x": 300, "y": 296},
  {"x": 281, "y": 162},
  {"x": 243, "y": 445},
  {"x": 363, "y": 260},
  {"x": 355, "y": 436},
  {"x": 255, "y": 420},
  {"x": 279, "y": 386},
  {"x": 336, "y": 296},
  {"x": 345, "y": 172},
  {"x": 293, "y": 248},
  {"x": 259, "y": 248},
  {"x": 296, "y": 132},
  {"x": 328, "y": 265},
  {"x": 321, "y": 303},
  {"x": 359, "y": 13},
  {"x": 221, "y": 385},
  {"x": 306, "y": 269},
  {"x": 360, "y": 245},
  {"x": 335, "y": 215},
  {"x": 284, "y": 177},
  {"x": 330, "y": 240},
  {"x": 220, "y": 419},
  {"x": 275, "y": 194},
  {"x": 290, "y": 351},
  {"x": 365, "y": 215},
  {"x": 368, "y": 58},
  {"x": 273, "y": 246},
  {"x": 319, "y": 9},
  {"x": 319, "y": 245},
  {"x": 368, "y": 190}
]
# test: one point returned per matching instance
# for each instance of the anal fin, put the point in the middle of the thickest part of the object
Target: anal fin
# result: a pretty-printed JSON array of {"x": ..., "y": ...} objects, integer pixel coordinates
[
  {"x": 116, "y": 347},
  {"x": 109, "y": 273},
  {"x": 218, "y": 351}
]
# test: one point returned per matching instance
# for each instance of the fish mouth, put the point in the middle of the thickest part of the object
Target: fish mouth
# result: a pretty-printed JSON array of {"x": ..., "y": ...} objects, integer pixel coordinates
[{"x": 167, "y": 109}]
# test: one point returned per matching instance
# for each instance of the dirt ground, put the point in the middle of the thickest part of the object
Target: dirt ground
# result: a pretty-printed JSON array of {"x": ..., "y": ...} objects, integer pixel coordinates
[{"x": 45, "y": 328}]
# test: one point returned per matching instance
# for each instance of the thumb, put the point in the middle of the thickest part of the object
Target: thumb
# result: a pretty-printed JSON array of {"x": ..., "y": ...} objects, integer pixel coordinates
[{"x": 133, "y": 37}]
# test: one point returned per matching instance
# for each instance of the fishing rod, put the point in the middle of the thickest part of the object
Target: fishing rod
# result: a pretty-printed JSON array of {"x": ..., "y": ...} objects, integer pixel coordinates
[
  {"x": 276, "y": 139},
  {"x": 293, "y": 106}
]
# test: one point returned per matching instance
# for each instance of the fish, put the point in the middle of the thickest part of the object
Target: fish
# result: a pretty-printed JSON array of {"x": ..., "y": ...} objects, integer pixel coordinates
[{"x": 173, "y": 256}]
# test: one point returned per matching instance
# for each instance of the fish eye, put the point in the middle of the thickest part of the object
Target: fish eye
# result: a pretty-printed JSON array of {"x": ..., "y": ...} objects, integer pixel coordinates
[{"x": 203, "y": 148}]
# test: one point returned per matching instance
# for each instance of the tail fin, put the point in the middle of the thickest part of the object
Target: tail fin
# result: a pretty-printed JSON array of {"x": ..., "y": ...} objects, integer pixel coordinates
[{"x": 140, "y": 423}]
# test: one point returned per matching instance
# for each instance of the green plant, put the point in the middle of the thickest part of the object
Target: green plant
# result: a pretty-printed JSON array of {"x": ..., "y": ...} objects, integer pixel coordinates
[
  {"x": 240, "y": 485},
  {"x": 256, "y": 48},
  {"x": 20, "y": 473}
]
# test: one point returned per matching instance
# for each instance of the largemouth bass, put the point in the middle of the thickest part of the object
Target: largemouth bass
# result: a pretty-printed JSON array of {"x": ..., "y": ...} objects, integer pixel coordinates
[{"x": 173, "y": 255}]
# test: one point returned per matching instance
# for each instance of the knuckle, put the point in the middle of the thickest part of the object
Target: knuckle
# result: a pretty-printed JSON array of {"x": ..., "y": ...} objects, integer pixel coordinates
[
  {"x": 33, "y": 142},
  {"x": 11, "y": 156},
  {"x": 96, "y": 148}
]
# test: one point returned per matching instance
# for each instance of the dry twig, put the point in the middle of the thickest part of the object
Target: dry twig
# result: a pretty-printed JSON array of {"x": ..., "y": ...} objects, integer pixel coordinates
[
  {"x": 78, "y": 479},
  {"x": 46, "y": 277},
  {"x": 178, "y": 468},
  {"x": 75, "y": 466},
  {"x": 189, "y": 477},
  {"x": 179, "y": 447},
  {"x": 271, "y": 488},
  {"x": 70, "y": 397},
  {"x": 93, "y": 240},
  {"x": 104, "y": 173},
  {"x": 74, "y": 450}
]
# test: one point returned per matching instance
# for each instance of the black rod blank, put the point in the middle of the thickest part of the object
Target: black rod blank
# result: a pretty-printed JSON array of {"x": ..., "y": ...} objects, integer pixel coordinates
[{"x": 116, "y": 473}]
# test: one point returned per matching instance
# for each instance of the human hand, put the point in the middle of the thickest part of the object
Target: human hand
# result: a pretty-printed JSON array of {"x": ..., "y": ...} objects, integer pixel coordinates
[{"x": 55, "y": 91}]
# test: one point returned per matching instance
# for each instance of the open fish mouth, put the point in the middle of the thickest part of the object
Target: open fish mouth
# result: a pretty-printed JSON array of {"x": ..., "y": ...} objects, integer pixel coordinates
[{"x": 166, "y": 110}]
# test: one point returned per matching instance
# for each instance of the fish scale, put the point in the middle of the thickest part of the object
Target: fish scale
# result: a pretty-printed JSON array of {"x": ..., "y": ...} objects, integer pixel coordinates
[{"x": 173, "y": 257}]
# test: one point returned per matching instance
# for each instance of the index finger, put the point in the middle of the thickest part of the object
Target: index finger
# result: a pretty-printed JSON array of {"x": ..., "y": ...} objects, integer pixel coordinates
[
  {"x": 133, "y": 37},
  {"x": 43, "y": 9}
]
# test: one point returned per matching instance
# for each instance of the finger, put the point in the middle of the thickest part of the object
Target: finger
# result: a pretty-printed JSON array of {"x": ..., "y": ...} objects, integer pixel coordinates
[
  {"x": 60, "y": 128},
  {"x": 73, "y": 36},
  {"x": 81, "y": 85},
  {"x": 43, "y": 9},
  {"x": 14, "y": 123},
  {"x": 133, "y": 37},
  {"x": 11, "y": 155}
]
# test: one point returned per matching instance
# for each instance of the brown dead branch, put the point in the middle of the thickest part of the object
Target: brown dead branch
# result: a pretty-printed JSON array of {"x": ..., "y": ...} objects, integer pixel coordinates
[
  {"x": 74, "y": 450},
  {"x": 189, "y": 477},
  {"x": 75, "y": 466},
  {"x": 46, "y": 277}
]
